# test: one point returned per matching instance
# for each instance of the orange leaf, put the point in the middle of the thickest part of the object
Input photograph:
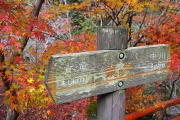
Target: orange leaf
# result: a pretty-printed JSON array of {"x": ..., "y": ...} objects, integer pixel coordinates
[
  {"x": 1, "y": 83},
  {"x": 51, "y": 112},
  {"x": 2, "y": 46}
]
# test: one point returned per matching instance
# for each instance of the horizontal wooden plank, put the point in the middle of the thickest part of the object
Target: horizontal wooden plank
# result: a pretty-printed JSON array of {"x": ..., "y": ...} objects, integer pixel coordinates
[
  {"x": 79, "y": 75},
  {"x": 86, "y": 90}
]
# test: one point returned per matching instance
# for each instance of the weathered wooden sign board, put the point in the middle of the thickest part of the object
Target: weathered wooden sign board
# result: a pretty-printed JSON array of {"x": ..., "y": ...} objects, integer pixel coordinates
[{"x": 80, "y": 75}]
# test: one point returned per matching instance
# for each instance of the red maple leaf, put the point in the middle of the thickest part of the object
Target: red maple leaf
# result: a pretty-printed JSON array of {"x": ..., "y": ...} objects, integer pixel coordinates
[
  {"x": 34, "y": 75},
  {"x": 175, "y": 62},
  {"x": 11, "y": 40},
  {"x": 10, "y": 78},
  {"x": 17, "y": 45},
  {"x": 178, "y": 40},
  {"x": 2, "y": 46},
  {"x": 2, "y": 16},
  {"x": 17, "y": 59},
  {"x": 7, "y": 28}
]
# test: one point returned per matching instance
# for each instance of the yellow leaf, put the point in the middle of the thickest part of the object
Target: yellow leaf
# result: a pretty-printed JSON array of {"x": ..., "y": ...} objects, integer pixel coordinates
[
  {"x": 41, "y": 86},
  {"x": 31, "y": 90},
  {"x": 30, "y": 80}
]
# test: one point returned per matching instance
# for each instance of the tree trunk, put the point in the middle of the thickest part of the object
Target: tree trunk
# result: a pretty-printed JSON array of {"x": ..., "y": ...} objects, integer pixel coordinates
[{"x": 11, "y": 114}]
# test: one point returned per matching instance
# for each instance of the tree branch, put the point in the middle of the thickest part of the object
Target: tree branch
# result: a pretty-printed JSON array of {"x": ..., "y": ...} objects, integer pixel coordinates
[
  {"x": 113, "y": 15},
  {"x": 1, "y": 105},
  {"x": 37, "y": 7},
  {"x": 143, "y": 19}
]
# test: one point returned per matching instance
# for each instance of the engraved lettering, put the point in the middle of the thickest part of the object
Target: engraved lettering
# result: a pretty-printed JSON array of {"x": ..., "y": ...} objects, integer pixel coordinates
[
  {"x": 162, "y": 55},
  {"x": 157, "y": 66},
  {"x": 69, "y": 82},
  {"x": 69, "y": 69},
  {"x": 72, "y": 81},
  {"x": 83, "y": 66},
  {"x": 153, "y": 56},
  {"x": 63, "y": 83}
]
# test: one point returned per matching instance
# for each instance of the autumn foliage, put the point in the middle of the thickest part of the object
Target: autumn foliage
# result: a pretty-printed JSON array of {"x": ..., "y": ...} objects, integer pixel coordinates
[
  {"x": 20, "y": 77},
  {"x": 23, "y": 78},
  {"x": 148, "y": 21}
]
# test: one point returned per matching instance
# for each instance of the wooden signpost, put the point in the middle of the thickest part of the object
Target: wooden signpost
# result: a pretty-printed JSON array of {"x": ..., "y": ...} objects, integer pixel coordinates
[{"x": 80, "y": 75}]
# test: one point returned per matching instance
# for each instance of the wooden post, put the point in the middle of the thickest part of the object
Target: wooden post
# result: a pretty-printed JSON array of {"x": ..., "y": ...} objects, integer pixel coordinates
[
  {"x": 111, "y": 106},
  {"x": 80, "y": 75}
]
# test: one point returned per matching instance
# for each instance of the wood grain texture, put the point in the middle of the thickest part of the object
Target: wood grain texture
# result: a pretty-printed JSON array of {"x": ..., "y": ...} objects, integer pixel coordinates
[
  {"x": 112, "y": 38},
  {"x": 80, "y": 75},
  {"x": 111, "y": 106}
]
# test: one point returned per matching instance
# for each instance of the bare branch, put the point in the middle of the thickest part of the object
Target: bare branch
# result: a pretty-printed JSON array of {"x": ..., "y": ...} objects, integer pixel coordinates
[
  {"x": 37, "y": 7},
  {"x": 143, "y": 19}
]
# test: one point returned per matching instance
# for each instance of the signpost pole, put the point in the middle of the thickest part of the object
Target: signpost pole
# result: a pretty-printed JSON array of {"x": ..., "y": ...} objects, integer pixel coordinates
[
  {"x": 113, "y": 67},
  {"x": 111, "y": 106}
]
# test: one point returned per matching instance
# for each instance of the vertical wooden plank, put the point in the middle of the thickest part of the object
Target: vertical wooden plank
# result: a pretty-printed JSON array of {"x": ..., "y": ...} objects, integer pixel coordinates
[
  {"x": 112, "y": 38},
  {"x": 119, "y": 107},
  {"x": 111, "y": 106}
]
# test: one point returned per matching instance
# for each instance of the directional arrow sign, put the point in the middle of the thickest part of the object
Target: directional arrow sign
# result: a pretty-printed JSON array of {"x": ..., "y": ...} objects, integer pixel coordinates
[{"x": 80, "y": 75}]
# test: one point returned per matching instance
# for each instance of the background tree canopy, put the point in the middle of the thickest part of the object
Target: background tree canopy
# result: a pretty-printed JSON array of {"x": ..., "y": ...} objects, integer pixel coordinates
[{"x": 33, "y": 30}]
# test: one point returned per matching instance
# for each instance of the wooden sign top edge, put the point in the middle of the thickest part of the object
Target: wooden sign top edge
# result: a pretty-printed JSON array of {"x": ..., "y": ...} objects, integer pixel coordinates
[{"x": 100, "y": 51}]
